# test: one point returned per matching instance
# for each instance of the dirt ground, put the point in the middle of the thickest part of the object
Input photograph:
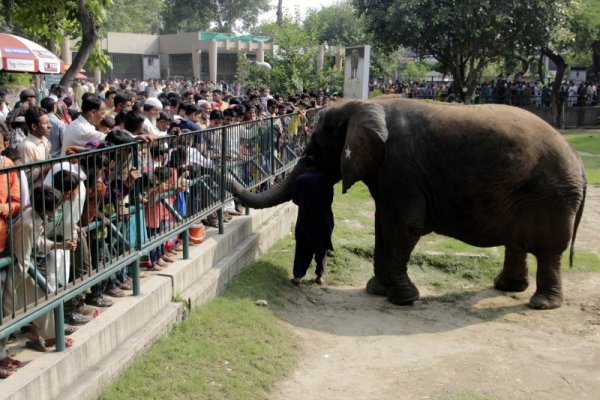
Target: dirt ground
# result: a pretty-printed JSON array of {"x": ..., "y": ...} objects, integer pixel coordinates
[{"x": 359, "y": 346}]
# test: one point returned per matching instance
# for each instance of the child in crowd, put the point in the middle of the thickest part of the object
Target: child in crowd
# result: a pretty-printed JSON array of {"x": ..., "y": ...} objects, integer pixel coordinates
[
  {"x": 156, "y": 187},
  {"x": 107, "y": 124}
]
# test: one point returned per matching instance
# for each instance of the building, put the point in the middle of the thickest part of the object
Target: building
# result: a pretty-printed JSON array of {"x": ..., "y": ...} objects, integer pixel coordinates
[{"x": 200, "y": 55}]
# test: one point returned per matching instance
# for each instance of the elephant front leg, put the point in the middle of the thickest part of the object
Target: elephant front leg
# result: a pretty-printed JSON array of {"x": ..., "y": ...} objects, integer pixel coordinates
[
  {"x": 401, "y": 290},
  {"x": 378, "y": 284},
  {"x": 548, "y": 293},
  {"x": 513, "y": 277}
]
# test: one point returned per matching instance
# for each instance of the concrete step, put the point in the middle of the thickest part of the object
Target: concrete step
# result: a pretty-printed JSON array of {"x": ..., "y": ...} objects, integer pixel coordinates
[{"x": 110, "y": 343}]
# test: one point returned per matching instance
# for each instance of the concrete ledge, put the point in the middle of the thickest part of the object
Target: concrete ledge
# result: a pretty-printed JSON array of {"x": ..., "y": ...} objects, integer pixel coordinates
[{"x": 109, "y": 344}]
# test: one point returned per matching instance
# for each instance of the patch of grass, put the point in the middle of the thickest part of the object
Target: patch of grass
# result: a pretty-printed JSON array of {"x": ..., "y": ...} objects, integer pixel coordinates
[
  {"x": 472, "y": 269},
  {"x": 592, "y": 169},
  {"x": 448, "y": 272},
  {"x": 467, "y": 396},
  {"x": 267, "y": 278},
  {"x": 588, "y": 142},
  {"x": 584, "y": 261}
]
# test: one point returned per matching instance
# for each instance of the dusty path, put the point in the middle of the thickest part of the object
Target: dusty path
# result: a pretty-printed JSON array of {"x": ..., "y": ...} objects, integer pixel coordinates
[{"x": 361, "y": 347}]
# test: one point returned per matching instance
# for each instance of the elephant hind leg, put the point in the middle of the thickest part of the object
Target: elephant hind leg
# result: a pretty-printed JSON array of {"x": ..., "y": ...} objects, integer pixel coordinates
[
  {"x": 548, "y": 294},
  {"x": 513, "y": 277}
]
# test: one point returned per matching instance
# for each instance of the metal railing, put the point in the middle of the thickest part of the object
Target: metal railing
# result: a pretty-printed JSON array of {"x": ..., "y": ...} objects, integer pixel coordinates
[{"x": 96, "y": 216}]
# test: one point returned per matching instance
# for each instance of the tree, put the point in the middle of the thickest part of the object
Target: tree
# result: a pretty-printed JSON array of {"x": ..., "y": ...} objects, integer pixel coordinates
[
  {"x": 464, "y": 36},
  {"x": 547, "y": 27},
  {"x": 55, "y": 20},
  {"x": 220, "y": 15},
  {"x": 186, "y": 15},
  {"x": 229, "y": 13},
  {"x": 384, "y": 64},
  {"x": 294, "y": 63},
  {"x": 415, "y": 70},
  {"x": 337, "y": 25},
  {"x": 142, "y": 16},
  {"x": 586, "y": 26}
]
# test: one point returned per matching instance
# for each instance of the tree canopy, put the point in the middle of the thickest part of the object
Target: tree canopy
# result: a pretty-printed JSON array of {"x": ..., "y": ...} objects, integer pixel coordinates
[
  {"x": 293, "y": 64},
  {"x": 141, "y": 16},
  {"x": 464, "y": 36},
  {"x": 220, "y": 15},
  {"x": 53, "y": 21},
  {"x": 337, "y": 24}
]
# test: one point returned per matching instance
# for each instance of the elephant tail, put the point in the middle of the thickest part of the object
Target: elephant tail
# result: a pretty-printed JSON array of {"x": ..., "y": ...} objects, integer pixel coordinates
[{"x": 577, "y": 220}]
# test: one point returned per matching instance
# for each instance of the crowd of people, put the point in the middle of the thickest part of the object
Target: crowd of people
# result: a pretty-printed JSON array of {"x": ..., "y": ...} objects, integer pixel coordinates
[
  {"x": 513, "y": 92},
  {"x": 161, "y": 145}
]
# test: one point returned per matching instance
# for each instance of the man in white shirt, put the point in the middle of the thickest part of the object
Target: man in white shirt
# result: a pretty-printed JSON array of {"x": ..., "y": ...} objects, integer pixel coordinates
[{"x": 83, "y": 130}]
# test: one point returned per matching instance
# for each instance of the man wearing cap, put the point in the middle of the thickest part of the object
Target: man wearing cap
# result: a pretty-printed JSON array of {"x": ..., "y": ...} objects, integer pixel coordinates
[
  {"x": 27, "y": 96},
  {"x": 152, "y": 109}
]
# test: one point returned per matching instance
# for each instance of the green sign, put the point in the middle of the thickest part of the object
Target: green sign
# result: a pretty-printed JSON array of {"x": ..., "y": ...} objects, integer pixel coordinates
[{"x": 226, "y": 36}]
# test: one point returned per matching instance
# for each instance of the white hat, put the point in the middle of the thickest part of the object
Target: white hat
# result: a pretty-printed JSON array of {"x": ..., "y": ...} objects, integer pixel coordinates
[
  {"x": 154, "y": 102},
  {"x": 202, "y": 102}
]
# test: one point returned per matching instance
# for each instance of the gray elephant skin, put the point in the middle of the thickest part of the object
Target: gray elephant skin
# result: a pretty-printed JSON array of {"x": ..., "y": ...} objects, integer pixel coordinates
[{"x": 488, "y": 175}]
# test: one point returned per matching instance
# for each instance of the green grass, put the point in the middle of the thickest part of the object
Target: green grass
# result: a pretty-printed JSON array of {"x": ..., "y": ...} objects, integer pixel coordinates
[
  {"x": 587, "y": 141},
  {"x": 592, "y": 169}
]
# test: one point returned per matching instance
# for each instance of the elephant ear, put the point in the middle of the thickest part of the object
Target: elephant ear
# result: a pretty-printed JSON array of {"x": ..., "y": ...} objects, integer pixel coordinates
[{"x": 364, "y": 148}]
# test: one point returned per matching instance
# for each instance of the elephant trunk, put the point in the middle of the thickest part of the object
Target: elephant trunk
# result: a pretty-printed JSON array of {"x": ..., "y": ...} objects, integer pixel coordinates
[{"x": 276, "y": 195}]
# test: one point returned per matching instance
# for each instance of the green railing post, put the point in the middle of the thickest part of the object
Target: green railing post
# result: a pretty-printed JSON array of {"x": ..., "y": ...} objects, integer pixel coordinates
[
  {"x": 59, "y": 326},
  {"x": 186, "y": 244},
  {"x": 223, "y": 185},
  {"x": 138, "y": 223},
  {"x": 271, "y": 150},
  {"x": 136, "y": 277}
]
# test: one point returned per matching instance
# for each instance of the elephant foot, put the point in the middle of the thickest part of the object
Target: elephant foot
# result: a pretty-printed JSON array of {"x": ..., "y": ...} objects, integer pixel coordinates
[
  {"x": 376, "y": 287},
  {"x": 511, "y": 284},
  {"x": 546, "y": 301},
  {"x": 404, "y": 295}
]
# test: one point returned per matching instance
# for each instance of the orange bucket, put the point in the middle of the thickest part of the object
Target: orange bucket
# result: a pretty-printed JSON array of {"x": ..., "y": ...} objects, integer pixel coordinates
[{"x": 196, "y": 232}]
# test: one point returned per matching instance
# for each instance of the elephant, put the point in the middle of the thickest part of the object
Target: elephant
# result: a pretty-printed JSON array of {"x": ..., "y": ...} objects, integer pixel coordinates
[{"x": 488, "y": 175}]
